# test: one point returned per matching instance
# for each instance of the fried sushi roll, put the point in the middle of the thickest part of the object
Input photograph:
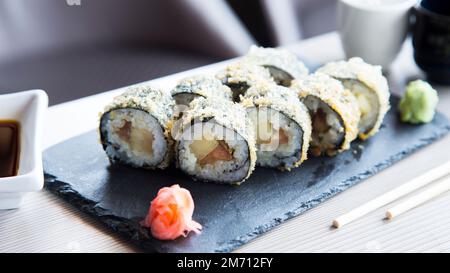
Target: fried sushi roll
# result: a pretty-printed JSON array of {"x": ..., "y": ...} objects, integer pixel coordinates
[
  {"x": 282, "y": 125},
  {"x": 190, "y": 88},
  {"x": 370, "y": 88},
  {"x": 241, "y": 76},
  {"x": 135, "y": 128},
  {"x": 215, "y": 142},
  {"x": 334, "y": 113},
  {"x": 283, "y": 65}
]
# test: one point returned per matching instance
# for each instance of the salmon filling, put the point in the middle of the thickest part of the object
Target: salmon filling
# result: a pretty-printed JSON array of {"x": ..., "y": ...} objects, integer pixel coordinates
[
  {"x": 211, "y": 151},
  {"x": 320, "y": 124},
  {"x": 125, "y": 131},
  {"x": 321, "y": 128},
  {"x": 138, "y": 139},
  {"x": 267, "y": 136},
  {"x": 328, "y": 131}
]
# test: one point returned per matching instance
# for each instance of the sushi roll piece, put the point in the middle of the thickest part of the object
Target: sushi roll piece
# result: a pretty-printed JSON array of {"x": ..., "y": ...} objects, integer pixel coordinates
[
  {"x": 370, "y": 88},
  {"x": 283, "y": 65},
  {"x": 241, "y": 76},
  {"x": 205, "y": 86},
  {"x": 135, "y": 128},
  {"x": 334, "y": 113},
  {"x": 215, "y": 142},
  {"x": 281, "y": 124}
]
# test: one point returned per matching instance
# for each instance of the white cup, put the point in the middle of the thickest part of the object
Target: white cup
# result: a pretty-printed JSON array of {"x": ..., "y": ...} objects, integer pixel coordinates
[{"x": 373, "y": 29}]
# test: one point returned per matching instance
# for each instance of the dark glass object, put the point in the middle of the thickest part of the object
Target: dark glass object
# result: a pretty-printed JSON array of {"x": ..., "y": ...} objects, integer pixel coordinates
[{"x": 431, "y": 39}]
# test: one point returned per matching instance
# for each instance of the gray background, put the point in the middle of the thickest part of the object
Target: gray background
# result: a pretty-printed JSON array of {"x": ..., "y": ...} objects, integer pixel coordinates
[{"x": 72, "y": 51}]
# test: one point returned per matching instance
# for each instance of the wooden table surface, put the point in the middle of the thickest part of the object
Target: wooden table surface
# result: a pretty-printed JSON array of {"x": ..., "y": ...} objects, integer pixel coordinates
[{"x": 46, "y": 224}]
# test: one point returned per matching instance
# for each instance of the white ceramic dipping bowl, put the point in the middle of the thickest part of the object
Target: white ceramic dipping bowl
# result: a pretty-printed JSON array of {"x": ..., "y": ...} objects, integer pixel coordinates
[{"x": 29, "y": 109}]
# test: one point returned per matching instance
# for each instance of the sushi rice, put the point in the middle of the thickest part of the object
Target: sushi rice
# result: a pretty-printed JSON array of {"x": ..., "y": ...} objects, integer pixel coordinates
[
  {"x": 263, "y": 110},
  {"x": 135, "y": 128},
  {"x": 196, "y": 86},
  {"x": 283, "y": 65},
  {"x": 240, "y": 76},
  {"x": 216, "y": 142},
  {"x": 370, "y": 88},
  {"x": 282, "y": 125},
  {"x": 334, "y": 113}
]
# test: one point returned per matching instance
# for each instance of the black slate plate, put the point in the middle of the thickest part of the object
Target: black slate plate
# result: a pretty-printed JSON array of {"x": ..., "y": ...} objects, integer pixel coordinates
[{"x": 119, "y": 196}]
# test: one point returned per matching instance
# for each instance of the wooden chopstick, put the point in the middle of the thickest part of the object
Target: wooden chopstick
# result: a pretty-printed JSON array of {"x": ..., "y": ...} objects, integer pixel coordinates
[
  {"x": 393, "y": 195},
  {"x": 419, "y": 199}
]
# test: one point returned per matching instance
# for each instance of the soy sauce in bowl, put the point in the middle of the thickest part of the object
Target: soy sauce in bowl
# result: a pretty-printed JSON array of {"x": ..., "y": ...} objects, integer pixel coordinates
[{"x": 9, "y": 147}]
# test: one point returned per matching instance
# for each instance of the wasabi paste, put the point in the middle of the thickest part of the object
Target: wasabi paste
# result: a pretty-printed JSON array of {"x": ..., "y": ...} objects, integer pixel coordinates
[{"x": 418, "y": 104}]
